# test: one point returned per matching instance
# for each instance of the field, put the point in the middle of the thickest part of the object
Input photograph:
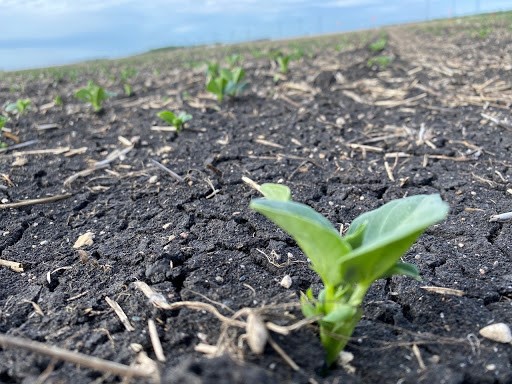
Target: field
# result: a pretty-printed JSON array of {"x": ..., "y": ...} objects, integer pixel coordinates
[{"x": 172, "y": 255}]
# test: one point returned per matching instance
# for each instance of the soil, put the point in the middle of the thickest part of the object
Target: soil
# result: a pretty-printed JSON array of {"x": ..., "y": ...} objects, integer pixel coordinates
[{"x": 345, "y": 138}]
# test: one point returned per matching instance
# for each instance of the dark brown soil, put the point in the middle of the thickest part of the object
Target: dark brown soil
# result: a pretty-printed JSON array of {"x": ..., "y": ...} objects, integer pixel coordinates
[{"x": 328, "y": 130}]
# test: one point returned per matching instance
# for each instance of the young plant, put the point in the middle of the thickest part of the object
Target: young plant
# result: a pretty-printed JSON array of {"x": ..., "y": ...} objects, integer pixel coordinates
[
  {"x": 212, "y": 71},
  {"x": 227, "y": 83},
  {"x": 348, "y": 265},
  {"x": 126, "y": 75},
  {"x": 381, "y": 61},
  {"x": 282, "y": 61},
  {"x": 94, "y": 95},
  {"x": 177, "y": 121},
  {"x": 3, "y": 120},
  {"x": 19, "y": 107},
  {"x": 379, "y": 45},
  {"x": 234, "y": 60}
]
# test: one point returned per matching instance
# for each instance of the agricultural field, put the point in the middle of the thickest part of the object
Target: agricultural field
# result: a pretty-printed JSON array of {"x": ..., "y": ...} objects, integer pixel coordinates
[{"x": 127, "y": 239}]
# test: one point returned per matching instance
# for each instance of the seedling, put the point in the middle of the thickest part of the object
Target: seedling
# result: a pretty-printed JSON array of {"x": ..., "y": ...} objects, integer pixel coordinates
[
  {"x": 126, "y": 75},
  {"x": 212, "y": 71},
  {"x": 283, "y": 61},
  {"x": 227, "y": 83},
  {"x": 3, "y": 120},
  {"x": 19, "y": 107},
  {"x": 370, "y": 250},
  {"x": 94, "y": 95},
  {"x": 234, "y": 60},
  {"x": 379, "y": 45},
  {"x": 177, "y": 121},
  {"x": 58, "y": 100},
  {"x": 381, "y": 61}
]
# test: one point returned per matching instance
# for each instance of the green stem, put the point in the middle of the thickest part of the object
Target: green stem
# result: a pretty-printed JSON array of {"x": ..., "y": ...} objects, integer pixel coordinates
[{"x": 357, "y": 297}]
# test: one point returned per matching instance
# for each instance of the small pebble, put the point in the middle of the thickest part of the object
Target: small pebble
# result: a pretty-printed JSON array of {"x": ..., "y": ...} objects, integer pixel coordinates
[
  {"x": 499, "y": 332},
  {"x": 286, "y": 281}
]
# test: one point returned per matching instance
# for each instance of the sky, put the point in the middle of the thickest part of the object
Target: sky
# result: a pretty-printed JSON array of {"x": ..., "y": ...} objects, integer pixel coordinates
[{"x": 38, "y": 33}]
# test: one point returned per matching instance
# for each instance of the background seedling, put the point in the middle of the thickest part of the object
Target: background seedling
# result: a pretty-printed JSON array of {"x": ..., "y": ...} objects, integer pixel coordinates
[
  {"x": 177, "y": 121},
  {"x": 94, "y": 95},
  {"x": 234, "y": 60},
  {"x": 348, "y": 266},
  {"x": 379, "y": 45},
  {"x": 126, "y": 75},
  {"x": 58, "y": 100},
  {"x": 3, "y": 121},
  {"x": 227, "y": 83},
  {"x": 19, "y": 107},
  {"x": 381, "y": 61}
]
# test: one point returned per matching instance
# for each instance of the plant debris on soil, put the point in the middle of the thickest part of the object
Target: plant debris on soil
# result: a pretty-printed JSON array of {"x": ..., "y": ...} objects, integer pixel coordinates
[{"x": 128, "y": 252}]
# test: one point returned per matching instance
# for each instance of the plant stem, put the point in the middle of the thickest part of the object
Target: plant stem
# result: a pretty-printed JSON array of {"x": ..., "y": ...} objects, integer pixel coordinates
[{"x": 357, "y": 297}]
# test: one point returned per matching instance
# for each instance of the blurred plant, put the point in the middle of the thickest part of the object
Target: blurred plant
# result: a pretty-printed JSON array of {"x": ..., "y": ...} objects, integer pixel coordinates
[
  {"x": 234, "y": 59},
  {"x": 177, "y": 121},
  {"x": 227, "y": 83},
  {"x": 18, "y": 108},
  {"x": 94, "y": 95},
  {"x": 381, "y": 61},
  {"x": 379, "y": 45},
  {"x": 58, "y": 100},
  {"x": 126, "y": 75}
]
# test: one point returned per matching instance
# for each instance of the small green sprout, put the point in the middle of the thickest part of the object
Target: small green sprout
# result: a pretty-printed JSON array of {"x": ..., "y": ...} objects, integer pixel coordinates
[
  {"x": 370, "y": 250},
  {"x": 381, "y": 61},
  {"x": 212, "y": 71},
  {"x": 94, "y": 95},
  {"x": 379, "y": 45},
  {"x": 177, "y": 121},
  {"x": 234, "y": 60},
  {"x": 227, "y": 83},
  {"x": 19, "y": 107},
  {"x": 283, "y": 61},
  {"x": 3, "y": 120},
  {"x": 126, "y": 75},
  {"x": 58, "y": 100}
]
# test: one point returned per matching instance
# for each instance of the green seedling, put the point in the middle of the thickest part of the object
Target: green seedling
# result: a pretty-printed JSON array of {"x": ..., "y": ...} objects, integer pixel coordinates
[
  {"x": 382, "y": 61},
  {"x": 379, "y": 45},
  {"x": 234, "y": 60},
  {"x": 126, "y": 75},
  {"x": 283, "y": 61},
  {"x": 177, "y": 121},
  {"x": 19, "y": 107},
  {"x": 370, "y": 250},
  {"x": 212, "y": 71},
  {"x": 3, "y": 120},
  {"x": 58, "y": 100},
  {"x": 94, "y": 95},
  {"x": 227, "y": 83}
]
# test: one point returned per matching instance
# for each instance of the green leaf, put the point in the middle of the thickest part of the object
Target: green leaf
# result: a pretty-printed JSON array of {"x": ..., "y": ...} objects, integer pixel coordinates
[
  {"x": 83, "y": 94},
  {"x": 167, "y": 116},
  {"x": 217, "y": 86},
  {"x": 184, "y": 117},
  {"x": 3, "y": 120},
  {"x": 390, "y": 231},
  {"x": 314, "y": 234},
  {"x": 276, "y": 192},
  {"x": 404, "y": 269}
]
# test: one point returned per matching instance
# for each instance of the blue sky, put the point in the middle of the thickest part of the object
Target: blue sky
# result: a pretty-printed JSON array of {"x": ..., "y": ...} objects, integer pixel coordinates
[{"x": 36, "y": 33}]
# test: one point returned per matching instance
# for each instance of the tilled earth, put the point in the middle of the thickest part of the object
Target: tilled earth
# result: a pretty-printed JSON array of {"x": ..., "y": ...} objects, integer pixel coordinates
[{"x": 344, "y": 136}]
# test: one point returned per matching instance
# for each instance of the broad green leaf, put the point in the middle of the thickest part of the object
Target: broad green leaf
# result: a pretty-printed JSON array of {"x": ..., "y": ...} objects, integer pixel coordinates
[
  {"x": 226, "y": 74},
  {"x": 83, "y": 94},
  {"x": 390, "y": 231},
  {"x": 404, "y": 269},
  {"x": 184, "y": 117},
  {"x": 314, "y": 234},
  {"x": 217, "y": 86},
  {"x": 237, "y": 75},
  {"x": 276, "y": 192},
  {"x": 167, "y": 116}
]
